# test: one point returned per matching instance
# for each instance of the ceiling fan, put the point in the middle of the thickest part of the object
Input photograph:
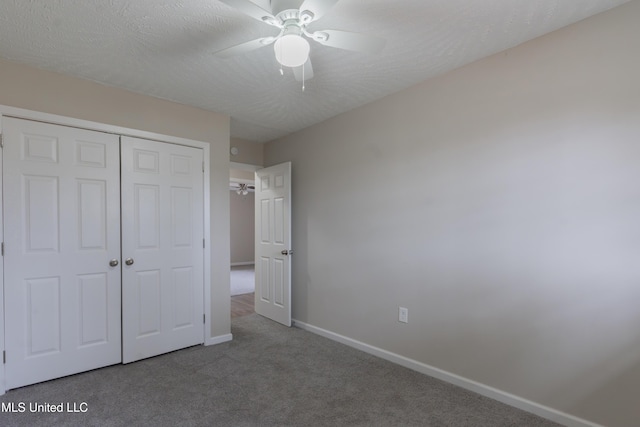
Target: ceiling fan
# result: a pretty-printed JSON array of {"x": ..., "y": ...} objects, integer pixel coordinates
[
  {"x": 290, "y": 46},
  {"x": 242, "y": 189}
]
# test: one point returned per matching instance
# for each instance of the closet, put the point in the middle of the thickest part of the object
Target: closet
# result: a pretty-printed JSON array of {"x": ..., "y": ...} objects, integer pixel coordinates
[{"x": 103, "y": 249}]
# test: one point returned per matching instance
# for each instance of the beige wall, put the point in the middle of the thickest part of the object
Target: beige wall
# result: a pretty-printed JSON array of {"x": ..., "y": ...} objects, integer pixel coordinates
[
  {"x": 242, "y": 227},
  {"x": 34, "y": 89},
  {"x": 499, "y": 203},
  {"x": 248, "y": 152}
]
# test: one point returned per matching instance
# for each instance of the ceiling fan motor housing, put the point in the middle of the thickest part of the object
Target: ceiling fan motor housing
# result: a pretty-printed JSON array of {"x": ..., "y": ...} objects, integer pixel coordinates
[{"x": 289, "y": 17}]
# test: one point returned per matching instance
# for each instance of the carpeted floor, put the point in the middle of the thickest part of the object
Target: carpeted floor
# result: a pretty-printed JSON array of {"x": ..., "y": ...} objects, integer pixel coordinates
[
  {"x": 269, "y": 375},
  {"x": 242, "y": 279}
]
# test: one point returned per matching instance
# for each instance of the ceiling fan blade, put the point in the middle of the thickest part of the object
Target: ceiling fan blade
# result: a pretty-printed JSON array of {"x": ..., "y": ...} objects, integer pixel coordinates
[
  {"x": 251, "y": 9},
  {"x": 349, "y": 41},
  {"x": 308, "y": 71},
  {"x": 317, "y": 7},
  {"x": 245, "y": 47}
]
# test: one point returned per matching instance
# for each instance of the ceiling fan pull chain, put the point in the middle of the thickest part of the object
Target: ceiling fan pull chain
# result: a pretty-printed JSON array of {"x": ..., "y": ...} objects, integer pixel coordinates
[{"x": 281, "y": 70}]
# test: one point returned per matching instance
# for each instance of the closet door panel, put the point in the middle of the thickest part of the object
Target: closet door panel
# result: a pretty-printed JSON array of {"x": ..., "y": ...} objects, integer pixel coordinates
[
  {"x": 162, "y": 237},
  {"x": 62, "y": 228}
]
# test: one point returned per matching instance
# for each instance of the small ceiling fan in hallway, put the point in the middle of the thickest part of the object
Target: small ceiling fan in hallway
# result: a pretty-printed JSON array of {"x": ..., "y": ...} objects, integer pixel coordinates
[
  {"x": 291, "y": 46},
  {"x": 242, "y": 189}
]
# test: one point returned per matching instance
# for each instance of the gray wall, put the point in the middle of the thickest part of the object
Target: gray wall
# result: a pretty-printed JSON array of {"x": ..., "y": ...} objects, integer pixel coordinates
[
  {"x": 242, "y": 228},
  {"x": 38, "y": 90},
  {"x": 500, "y": 203}
]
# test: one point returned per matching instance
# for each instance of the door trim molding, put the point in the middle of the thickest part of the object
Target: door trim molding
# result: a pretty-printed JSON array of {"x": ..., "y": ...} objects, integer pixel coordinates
[{"x": 21, "y": 113}]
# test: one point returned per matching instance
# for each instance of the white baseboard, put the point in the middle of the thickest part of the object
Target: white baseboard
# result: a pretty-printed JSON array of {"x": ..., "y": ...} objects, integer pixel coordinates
[
  {"x": 485, "y": 390},
  {"x": 236, "y": 264},
  {"x": 219, "y": 339}
]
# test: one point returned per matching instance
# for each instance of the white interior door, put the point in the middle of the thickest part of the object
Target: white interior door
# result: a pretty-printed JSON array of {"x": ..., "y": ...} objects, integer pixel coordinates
[
  {"x": 62, "y": 228},
  {"x": 162, "y": 248},
  {"x": 273, "y": 243}
]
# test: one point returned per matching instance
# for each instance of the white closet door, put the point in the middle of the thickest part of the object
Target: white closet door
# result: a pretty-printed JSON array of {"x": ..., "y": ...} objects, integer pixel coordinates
[
  {"x": 62, "y": 213},
  {"x": 162, "y": 248}
]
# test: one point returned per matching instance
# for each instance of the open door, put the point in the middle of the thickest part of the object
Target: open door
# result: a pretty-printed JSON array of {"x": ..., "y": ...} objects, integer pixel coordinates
[{"x": 273, "y": 243}]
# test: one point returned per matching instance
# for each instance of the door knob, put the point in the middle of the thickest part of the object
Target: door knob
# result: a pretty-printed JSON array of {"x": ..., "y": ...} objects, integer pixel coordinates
[
  {"x": 128, "y": 261},
  {"x": 113, "y": 263},
  {"x": 286, "y": 252}
]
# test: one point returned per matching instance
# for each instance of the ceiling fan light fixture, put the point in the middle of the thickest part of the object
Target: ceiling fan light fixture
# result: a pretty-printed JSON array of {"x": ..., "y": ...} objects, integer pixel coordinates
[{"x": 291, "y": 50}]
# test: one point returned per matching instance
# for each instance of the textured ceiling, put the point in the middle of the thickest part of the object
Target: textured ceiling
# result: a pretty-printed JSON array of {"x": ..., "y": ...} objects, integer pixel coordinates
[{"x": 163, "y": 48}]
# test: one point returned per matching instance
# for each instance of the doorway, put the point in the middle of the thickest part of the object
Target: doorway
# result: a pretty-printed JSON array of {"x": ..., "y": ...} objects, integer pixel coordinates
[
  {"x": 272, "y": 238},
  {"x": 242, "y": 229}
]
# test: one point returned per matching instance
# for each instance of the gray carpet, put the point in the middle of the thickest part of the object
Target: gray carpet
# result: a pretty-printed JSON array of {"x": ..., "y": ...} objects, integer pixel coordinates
[{"x": 269, "y": 375}]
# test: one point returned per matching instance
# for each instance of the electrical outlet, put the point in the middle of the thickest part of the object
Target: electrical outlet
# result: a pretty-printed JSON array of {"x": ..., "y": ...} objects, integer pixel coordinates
[{"x": 403, "y": 314}]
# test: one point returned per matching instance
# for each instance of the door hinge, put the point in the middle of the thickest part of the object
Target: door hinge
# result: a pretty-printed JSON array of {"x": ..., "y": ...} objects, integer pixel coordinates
[
  {"x": 4, "y": 356},
  {"x": 2, "y": 248},
  {"x": 202, "y": 243},
  {"x": 1, "y": 141},
  {"x": 203, "y": 318},
  {"x": 202, "y": 166}
]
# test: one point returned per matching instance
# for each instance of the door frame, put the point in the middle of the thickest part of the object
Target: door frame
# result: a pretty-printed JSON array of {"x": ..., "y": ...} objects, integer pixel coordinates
[{"x": 21, "y": 113}]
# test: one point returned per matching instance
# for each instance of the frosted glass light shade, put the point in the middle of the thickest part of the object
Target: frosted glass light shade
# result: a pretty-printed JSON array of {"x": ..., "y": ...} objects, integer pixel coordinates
[{"x": 291, "y": 50}]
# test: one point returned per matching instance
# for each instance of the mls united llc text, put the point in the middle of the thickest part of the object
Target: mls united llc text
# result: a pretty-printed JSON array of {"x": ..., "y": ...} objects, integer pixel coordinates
[{"x": 20, "y": 407}]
